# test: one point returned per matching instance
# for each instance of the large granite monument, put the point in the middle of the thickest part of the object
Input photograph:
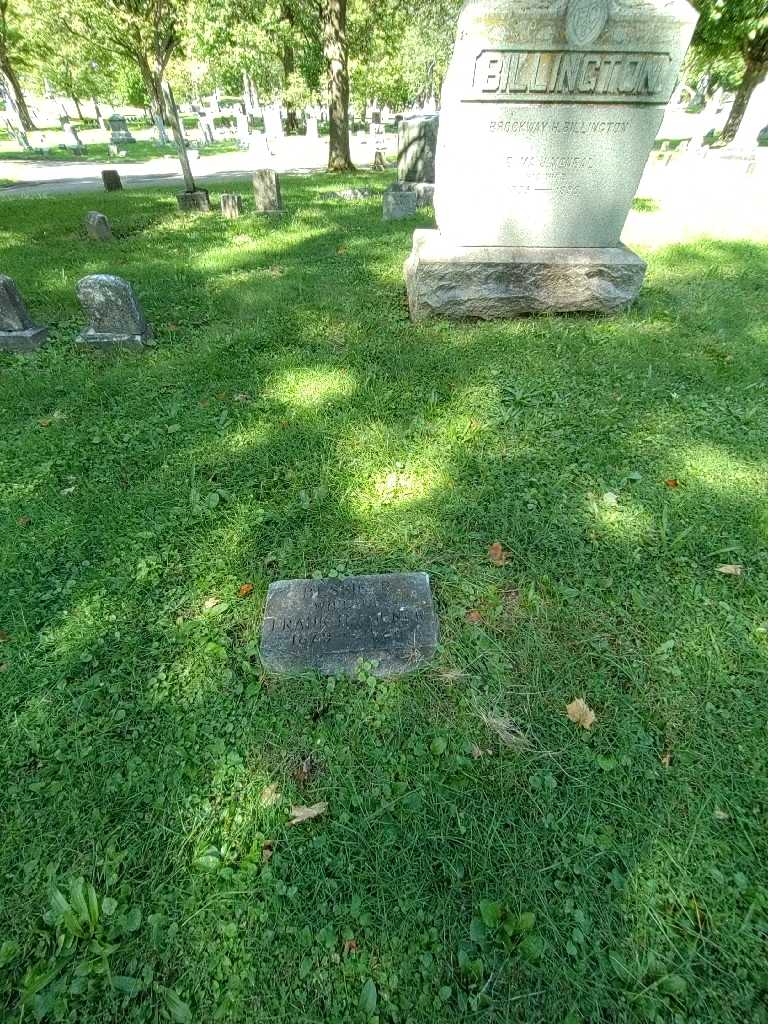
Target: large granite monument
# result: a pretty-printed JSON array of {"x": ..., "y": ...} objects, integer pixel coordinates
[
  {"x": 549, "y": 113},
  {"x": 331, "y": 625}
]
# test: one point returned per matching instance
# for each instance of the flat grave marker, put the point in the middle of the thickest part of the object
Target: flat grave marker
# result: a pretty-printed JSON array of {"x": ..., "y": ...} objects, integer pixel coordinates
[{"x": 331, "y": 625}]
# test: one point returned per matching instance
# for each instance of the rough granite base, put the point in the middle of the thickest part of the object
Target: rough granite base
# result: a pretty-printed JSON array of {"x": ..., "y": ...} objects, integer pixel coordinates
[
  {"x": 498, "y": 283},
  {"x": 29, "y": 340},
  {"x": 96, "y": 341}
]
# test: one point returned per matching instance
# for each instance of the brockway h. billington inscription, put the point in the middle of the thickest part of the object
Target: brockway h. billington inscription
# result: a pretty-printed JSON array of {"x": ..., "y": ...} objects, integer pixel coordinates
[
  {"x": 549, "y": 111},
  {"x": 331, "y": 625}
]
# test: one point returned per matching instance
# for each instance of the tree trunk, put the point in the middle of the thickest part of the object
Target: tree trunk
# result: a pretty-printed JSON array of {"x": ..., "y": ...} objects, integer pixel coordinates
[
  {"x": 335, "y": 51},
  {"x": 6, "y": 69},
  {"x": 172, "y": 115},
  {"x": 753, "y": 76},
  {"x": 153, "y": 83},
  {"x": 76, "y": 101}
]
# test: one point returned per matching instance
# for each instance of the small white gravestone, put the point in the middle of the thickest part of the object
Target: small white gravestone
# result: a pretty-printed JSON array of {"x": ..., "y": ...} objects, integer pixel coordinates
[
  {"x": 549, "y": 112},
  {"x": 273, "y": 122}
]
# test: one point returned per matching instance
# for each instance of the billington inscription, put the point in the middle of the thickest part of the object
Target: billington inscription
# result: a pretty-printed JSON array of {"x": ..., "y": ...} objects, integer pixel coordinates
[{"x": 331, "y": 625}]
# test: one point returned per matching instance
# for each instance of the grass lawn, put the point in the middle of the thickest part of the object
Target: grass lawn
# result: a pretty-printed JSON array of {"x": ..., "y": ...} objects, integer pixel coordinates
[{"x": 482, "y": 857}]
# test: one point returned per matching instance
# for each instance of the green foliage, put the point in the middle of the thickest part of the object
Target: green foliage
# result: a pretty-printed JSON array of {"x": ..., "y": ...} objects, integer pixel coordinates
[{"x": 145, "y": 754}]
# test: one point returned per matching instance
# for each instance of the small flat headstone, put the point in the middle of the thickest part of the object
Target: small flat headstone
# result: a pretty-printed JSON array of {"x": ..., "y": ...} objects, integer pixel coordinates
[
  {"x": 266, "y": 191},
  {"x": 97, "y": 227},
  {"x": 399, "y": 205},
  {"x": 332, "y": 625},
  {"x": 111, "y": 179},
  {"x": 18, "y": 332},
  {"x": 116, "y": 318},
  {"x": 348, "y": 194}
]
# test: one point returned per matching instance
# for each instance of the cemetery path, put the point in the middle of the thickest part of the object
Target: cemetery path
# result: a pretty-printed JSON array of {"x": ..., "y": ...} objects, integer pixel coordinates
[{"x": 292, "y": 155}]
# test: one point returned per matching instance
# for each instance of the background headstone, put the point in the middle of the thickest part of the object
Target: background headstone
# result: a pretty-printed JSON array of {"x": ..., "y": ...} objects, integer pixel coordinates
[
  {"x": 18, "y": 332},
  {"x": 332, "y": 625},
  {"x": 399, "y": 205},
  {"x": 111, "y": 179},
  {"x": 231, "y": 205},
  {"x": 266, "y": 191},
  {"x": 416, "y": 147},
  {"x": 97, "y": 226},
  {"x": 243, "y": 129},
  {"x": 118, "y": 128},
  {"x": 423, "y": 190},
  {"x": 312, "y": 130},
  {"x": 273, "y": 122},
  {"x": 115, "y": 317}
]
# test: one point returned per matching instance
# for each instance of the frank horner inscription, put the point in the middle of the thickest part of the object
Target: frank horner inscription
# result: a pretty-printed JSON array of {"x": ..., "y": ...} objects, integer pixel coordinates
[
  {"x": 549, "y": 112},
  {"x": 331, "y": 625}
]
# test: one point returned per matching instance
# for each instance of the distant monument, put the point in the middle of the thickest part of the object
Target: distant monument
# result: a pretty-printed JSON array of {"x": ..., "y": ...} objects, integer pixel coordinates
[
  {"x": 549, "y": 112},
  {"x": 118, "y": 129}
]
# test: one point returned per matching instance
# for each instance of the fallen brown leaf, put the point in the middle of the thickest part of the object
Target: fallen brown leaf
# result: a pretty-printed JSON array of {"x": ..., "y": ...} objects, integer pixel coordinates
[
  {"x": 581, "y": 713},
  {"x": 204, "y": 403},
  {"x": 4, "y": 666},
  {"x": 721, "y": 815},
  {"x": 210, "y": 602},
  {"x": 267, "y": 850},
  {"x": 666, "y": 759},
  {"x": 172, "y": 327},
  {"x": 731, "y": 570},
  {"x": 24, "y": 520},
  {"x": 245, "y": 590},
  {"x": 4, "y": 637},
  {"x": 300, "y": 813},
  {"x": 350, "y": 946},
  {"x": 45, "y": 423},
  {"x": 242, "y": 397},
  {"x": 497, "y": 554},
  {"x": 473, "y": 616},
  {"x": 672, "y": 482}
]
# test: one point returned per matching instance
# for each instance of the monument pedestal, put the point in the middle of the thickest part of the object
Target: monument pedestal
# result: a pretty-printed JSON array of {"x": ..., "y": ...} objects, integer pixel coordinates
[
  {"x": 502, "y": 282},
  {"x": 27, "y": 339}
]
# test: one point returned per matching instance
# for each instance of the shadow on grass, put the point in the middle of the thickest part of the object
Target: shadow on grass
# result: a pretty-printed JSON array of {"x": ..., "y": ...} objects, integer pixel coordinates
[{"x": 292, "y": 421}]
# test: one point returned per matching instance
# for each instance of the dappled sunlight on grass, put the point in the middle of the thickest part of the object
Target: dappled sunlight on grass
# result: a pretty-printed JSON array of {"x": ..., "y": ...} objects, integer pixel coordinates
[{"x": 311, "y": 388}]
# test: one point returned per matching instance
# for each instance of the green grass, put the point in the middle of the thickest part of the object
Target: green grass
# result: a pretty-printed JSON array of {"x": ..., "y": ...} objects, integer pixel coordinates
[
  {"x": 292, "y": 421},
  {"x": 98, "y": 152}
]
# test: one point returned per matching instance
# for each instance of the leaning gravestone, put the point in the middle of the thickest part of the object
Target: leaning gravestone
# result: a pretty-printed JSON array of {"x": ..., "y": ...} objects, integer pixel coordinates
[
  {"x": 116, "y": 318},
  {"x": 18, "y": 332},
  {"x": 549, "y": 114},
  {"x": 416, "y": 146},
  {"x": 97, "y": 227},
  {"x": 111, "y": 180},
  {"x": 331, "y": 625},
  {"x": 266, "y": 191}
]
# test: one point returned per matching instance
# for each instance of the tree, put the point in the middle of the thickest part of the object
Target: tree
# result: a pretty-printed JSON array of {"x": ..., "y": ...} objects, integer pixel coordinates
[
  {"x": 334, "y": 19},
  {"x": 146, "y": 33},
  {"x": 14, "y": 54},
  {"x": 735, "y": 28}
]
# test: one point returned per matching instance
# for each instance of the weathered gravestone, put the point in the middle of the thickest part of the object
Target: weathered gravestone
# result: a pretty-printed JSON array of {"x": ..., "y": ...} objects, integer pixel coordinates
[
  {"x": 111, "y": 180},
  {"x": 423, "y": 190},
  {"x": 312, "y": 129},
  {"x": 549, "y": 114},
  {"x": 416, "y": 146},
  {"x": 266, "y": 191},
  {"x": 118, "y": 129},
  {"x": 398, "y": 205},
  {"x": 243, "y": 129},
  {"x": 97, "y": 227},
  {"x": 332, "y": 625},
  {"x": 18, "y": 332},
  {"x": 71, "y": 138},
  {"x": 116, "y": 318},
  {"x": 231, "y": 205},
  {"x": 348, "y": 194}
]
